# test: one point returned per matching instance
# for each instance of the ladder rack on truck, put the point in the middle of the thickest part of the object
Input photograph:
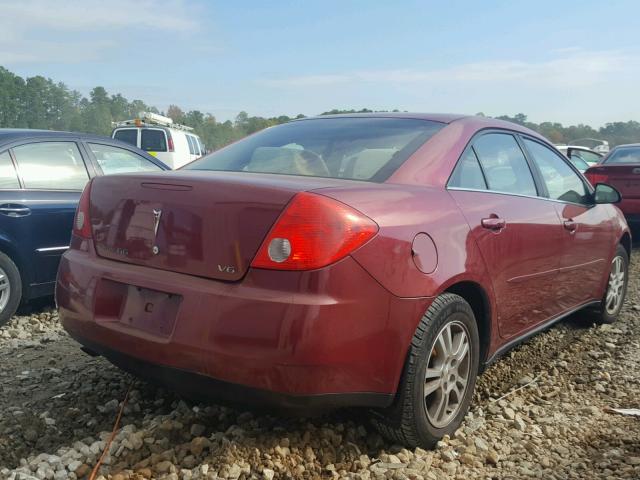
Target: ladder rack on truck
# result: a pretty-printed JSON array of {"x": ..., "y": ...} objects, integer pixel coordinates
[{"x": 150, "y": 119}]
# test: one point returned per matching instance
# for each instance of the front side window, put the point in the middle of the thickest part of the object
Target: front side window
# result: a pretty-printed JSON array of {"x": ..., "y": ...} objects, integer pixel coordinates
[
  {"x": 8, "y": 176},
  {"x": 51, "y": 166},
  {"x": 624, "y": 155},
  {"x": 504, "y": 165},
  {"x": 562, "y": 182},
  {"x": 196, "y": 146},
  {"x": 468, "y": 173},
  {"x": 118, "y": 160},
  {"x": 369, "y": 149},
  {"x": 153, "y": 140},
  {"x": 127, "y": 135},
  {"x": 192, "y": 150}
]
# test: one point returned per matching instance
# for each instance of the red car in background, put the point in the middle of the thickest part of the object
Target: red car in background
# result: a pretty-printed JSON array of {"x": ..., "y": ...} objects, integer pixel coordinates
[
  {"x": 621, "y": 169},
  {"x": 362, "y": 260}
]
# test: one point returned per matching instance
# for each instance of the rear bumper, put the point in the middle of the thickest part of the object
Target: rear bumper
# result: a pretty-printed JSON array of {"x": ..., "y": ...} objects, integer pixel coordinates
[{"x": 326, "y": 338}]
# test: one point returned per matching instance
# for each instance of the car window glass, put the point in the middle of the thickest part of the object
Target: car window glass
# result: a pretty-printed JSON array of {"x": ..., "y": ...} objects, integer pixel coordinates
[
  {"x": 587, "y": 156},
  {"x": 562, "y": 182},
  {"x": 128, "y": 135},
  {"x": 51, "y": 165},
  {"x": 504, "y": 165},
  {"x": 190, "y": 142},
  {"x": 153, "y": 140},
  {"x": 579, "y": 162},
  {"x": 624, "y": 155},
  {"x": 368, "y": 149},
  {"x": 196, "y": 145},
  {"x": 8, "y": 176},
  {"x": 468, "y": 173},
  {"x": 118, "y": 160}
]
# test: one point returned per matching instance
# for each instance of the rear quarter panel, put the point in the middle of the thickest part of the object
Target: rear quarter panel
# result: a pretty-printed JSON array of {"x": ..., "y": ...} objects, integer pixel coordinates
[{"x": 402, "y": 212}]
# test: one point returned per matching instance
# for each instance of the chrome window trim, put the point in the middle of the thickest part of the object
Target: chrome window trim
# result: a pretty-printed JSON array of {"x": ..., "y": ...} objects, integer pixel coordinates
[
  {"x": 462, "y": 189},
  {"x": 52, "y": 249}
]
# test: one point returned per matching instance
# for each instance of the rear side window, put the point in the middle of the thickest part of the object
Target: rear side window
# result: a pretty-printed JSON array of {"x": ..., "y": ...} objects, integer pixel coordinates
[
  {"x": 468, "y": 173},
  {"x": 51, "y": 166},
  {"x": 153, "y": 140},
  {"x": 118, "y": 160},
  {"x": 624, "y": 155},
  {"x": 8, "y": 176},
  {"x": 504, "y": 165},
  {"x": 368, "y": 149},
  {"x": 562, "y": 182},
  {"x": 129, "y": 135}
]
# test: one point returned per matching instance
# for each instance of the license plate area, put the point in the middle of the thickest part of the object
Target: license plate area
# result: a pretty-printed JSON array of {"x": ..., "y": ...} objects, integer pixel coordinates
[{"x": 144, "y": 309}]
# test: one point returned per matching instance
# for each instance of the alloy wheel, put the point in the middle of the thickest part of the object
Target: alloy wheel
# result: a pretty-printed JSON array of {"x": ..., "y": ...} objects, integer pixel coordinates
[
  {"x": 615, "y": 289},
  {"x": 5, "y": 290},
  {"x": 447, "y": 374}
]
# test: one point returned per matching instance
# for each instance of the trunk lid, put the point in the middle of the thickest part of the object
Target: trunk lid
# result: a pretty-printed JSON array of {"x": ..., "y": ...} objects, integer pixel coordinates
[
  {"x": 625, "y": 178},
  {"x": 208, "y": 224}
]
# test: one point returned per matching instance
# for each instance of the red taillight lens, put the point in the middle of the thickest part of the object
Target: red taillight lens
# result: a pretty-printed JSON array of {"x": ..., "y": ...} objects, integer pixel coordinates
[
  {"x": 596, "y": 175},
  {"x": 81, "y": 222},
  {"x": 314, "y": 231},
  {"x": 169, "y": 141}
]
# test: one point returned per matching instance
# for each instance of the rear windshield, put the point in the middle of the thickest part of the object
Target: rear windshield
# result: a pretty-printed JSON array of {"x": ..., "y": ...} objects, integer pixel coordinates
[
  {"x": 153, "y": 140},
  {"x": 624, "y": 155},
  {"x": 129, "y": 135},
  {"x": 352, "y": 148}
]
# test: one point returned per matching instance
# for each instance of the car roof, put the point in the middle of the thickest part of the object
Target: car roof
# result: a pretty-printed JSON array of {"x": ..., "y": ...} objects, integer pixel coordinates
[
  {"x": 474, "y": 121},
  {"x": 636, "y": 145},
  {"x": 10, "y": 134}
]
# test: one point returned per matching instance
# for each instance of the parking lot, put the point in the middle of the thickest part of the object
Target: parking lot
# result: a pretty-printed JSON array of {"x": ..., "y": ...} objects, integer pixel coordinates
[{"x": 60, "y": 406}]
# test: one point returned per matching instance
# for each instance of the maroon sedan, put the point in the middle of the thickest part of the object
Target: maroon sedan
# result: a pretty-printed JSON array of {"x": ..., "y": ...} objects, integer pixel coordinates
[
  {"x": 376, "y": 260},
  {"x": 621, "y": 169}
]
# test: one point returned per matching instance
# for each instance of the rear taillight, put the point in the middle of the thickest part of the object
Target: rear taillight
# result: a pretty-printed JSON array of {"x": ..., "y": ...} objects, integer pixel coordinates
[
  {"x": 81, "y": 222},
  {"x": 596, "y": 175},
  {"x": 169, "y": 141},
  {"x": 314, "y": 231}
]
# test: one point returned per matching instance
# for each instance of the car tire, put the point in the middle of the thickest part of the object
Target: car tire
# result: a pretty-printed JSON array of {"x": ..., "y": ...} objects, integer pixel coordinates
[
  {"x": 415, "y": 418},
  {"x": 605, "y": 313},
  {"x": 10, "y": 288}
]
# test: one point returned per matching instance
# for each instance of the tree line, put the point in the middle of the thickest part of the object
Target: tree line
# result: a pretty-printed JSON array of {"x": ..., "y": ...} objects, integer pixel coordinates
[{"x": 39, "y": 102}]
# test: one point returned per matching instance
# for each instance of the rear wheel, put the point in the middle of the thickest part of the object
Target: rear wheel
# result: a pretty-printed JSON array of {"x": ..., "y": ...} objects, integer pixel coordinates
[
  {"x": 10, "y": 288},
  {"x": 614, "y": 296},
  {"x": 439, "y": 376}
]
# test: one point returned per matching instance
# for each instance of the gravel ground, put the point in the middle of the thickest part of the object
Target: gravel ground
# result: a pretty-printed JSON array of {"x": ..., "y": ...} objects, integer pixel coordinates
[{"x": 59, "y": 406}]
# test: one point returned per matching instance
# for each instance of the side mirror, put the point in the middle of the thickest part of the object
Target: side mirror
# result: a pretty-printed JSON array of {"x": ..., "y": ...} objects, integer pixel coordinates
[{"x": 606, "y": 194}]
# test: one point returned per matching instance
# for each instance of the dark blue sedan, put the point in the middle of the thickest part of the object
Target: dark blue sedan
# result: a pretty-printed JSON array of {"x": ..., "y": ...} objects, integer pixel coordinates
[{"x": 42, "y": 175}]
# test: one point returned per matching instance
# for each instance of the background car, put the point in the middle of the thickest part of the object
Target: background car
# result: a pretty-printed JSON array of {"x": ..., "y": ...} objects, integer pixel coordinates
[
  {"x": 621, "y": 168},
  {"x": 42, "y": 174},
  {"x": 581, "y": 157},
  {"x": 378, "y": 260},
  {"x": 174, "y": 144}
]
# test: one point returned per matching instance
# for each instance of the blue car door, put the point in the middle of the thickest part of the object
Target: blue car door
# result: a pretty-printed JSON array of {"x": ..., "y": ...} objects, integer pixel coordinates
[{"x": 39, "y": 217}]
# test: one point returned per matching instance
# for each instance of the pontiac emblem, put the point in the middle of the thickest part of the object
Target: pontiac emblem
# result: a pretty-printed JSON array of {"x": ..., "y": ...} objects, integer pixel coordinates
[
  {"x": 156, "y": 220},
  {"x": 156, "y": 223}
]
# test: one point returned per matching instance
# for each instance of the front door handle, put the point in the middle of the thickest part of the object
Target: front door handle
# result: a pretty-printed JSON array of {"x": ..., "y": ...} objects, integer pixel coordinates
[
  {"x": 570, "y": 225},
  {"x": 493, "y": 223},
  {"x": 14, "y": 210}
]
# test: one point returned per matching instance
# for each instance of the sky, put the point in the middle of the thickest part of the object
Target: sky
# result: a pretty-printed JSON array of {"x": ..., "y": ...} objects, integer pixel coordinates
[{"x": 564, "y": 61}]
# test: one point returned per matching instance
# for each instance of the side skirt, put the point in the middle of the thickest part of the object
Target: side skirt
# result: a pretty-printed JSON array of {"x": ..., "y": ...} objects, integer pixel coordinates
[{"x": 540, "y": 328}]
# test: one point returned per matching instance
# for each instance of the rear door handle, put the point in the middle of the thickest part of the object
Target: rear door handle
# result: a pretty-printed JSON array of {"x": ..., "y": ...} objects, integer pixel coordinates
[
  {"x": 14, "y": 210},
  {"x": 570, "y": 225},
  {"x": 494, "y": 223}
]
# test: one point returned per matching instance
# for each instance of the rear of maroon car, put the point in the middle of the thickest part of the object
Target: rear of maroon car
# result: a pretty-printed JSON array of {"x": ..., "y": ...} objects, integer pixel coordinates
[
  {"x": 621, "y": 169},
  {"x": 240, "y": 285}
]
